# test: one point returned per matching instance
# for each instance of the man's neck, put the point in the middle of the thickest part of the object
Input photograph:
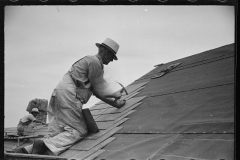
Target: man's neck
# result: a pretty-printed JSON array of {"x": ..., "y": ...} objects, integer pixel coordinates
[{"x": 100, "y": 59}]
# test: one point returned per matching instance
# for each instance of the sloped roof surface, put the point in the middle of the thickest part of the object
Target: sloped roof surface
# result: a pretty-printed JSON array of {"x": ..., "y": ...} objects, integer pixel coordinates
[{"x": 186, "y": 113}]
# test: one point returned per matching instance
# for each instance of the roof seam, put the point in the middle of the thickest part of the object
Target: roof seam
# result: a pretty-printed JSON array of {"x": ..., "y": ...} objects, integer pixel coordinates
[
  {"x": 181, "y": 68},
  {"x": 220, "y": 58},
  {"x": 191, "y": 89},
  {"x": 167, "y": 144}
]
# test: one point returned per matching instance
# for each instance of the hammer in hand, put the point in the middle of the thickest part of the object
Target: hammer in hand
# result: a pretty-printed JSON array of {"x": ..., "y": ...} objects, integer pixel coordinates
[{"x": 123, "y": 89}]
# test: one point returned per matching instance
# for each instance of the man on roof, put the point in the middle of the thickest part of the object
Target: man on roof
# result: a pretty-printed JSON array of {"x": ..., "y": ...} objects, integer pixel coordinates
[
  {"x": 66, "y": 121},
  {"x": 26, "y": 120}
]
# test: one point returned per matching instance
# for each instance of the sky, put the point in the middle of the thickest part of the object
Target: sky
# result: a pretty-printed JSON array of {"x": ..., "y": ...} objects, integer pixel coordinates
[{"x": 42, "y": 42}]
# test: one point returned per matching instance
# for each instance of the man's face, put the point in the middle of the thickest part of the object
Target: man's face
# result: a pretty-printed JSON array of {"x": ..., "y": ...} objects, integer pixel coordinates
[
  {"x": 107, "y": 57},
  {"x": 34, "y": 114}
]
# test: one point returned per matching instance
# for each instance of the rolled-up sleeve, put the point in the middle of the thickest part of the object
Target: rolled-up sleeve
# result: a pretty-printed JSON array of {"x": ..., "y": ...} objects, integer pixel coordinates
[
  {"x": 79, "y": 70},
  {"x": 95, "y": 70},
  {"x": 31, "y": 117}
]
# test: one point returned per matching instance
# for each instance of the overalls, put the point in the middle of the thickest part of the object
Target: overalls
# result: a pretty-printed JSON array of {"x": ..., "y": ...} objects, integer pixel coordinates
[{"x": 66, "y": 121}]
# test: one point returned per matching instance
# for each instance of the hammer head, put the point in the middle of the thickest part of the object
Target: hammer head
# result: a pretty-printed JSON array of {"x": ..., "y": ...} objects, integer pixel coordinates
[{"x": 123, "y": 88}]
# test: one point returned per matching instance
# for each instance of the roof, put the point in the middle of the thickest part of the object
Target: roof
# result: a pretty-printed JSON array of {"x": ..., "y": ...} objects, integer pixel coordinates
[{"x": 180, "y": 110}]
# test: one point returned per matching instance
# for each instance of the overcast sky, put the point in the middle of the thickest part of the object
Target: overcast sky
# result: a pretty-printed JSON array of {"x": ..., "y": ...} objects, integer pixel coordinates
[{"x": 42, "y": 42}]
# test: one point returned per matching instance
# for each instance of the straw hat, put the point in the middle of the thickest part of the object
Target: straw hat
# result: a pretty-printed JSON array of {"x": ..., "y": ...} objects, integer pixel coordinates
[
  {"x": 35, "y": 110},
  {"x": 111, "y": 45}
]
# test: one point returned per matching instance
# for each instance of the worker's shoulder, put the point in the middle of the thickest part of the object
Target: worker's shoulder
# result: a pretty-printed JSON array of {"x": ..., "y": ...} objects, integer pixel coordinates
[
  {"x": 30, "y": 116},
  {"x": 92, "y": 59},
  {"x": 27, "y": 115}
]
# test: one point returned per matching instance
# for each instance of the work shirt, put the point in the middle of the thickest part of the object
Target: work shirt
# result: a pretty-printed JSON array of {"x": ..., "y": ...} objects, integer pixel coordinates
[
  {"x": 83, "y": 72},
  {"x": 27, "y": 119},
  {"x": 75, "y": 89}
]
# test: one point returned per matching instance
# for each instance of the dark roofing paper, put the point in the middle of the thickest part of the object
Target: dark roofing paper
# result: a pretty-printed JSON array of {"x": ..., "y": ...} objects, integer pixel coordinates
[
  {"x": 202, "y": 111},
  {"x": 188, "y": 114}
]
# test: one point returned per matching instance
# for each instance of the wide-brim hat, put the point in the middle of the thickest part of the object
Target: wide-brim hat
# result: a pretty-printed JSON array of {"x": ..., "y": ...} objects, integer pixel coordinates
[
  {"x": 111, "y": 45},
  {"x": 35, "y": 110}
]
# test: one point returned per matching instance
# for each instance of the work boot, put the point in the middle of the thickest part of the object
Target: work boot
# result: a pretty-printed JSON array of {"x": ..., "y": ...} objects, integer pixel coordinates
[
  {"x": 39, "y": 147},
  {"x": 20, "y": 150}
]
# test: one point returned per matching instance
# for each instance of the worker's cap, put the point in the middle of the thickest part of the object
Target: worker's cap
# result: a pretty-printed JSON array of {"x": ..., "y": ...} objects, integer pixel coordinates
[
  {"x": 111, "y": 45},
  {"x": 35, "y": 110}
]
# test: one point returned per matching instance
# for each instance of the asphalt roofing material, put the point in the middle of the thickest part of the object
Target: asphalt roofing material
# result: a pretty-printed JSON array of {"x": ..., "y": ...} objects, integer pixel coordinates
[
  {"x": 184, "y": 113},
  {"x": 188, "y": 112}
]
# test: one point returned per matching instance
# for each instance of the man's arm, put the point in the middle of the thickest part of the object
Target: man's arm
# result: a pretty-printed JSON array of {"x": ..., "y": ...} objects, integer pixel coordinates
[
  {"x": 95, "y": 71},
  {"x": 116, "y": 95},
  {"x": 38, "y": 121},
  {"x": 32, "y": 118},
  {"x": 115, "y": 103}
]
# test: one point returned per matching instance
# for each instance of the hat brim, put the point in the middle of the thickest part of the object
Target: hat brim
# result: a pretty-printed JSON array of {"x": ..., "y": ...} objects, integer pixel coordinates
[{"x": 115, "y": 57}]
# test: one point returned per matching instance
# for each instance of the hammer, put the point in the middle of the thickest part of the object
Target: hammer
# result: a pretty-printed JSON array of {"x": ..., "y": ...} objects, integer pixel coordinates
[{"x": 123, "y": 88}]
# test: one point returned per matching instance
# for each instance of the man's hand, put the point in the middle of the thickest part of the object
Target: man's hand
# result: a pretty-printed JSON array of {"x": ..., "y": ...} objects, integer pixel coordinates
[
  {"x": 119, "y": 103},
  {"x": 117, "y": 95}
]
